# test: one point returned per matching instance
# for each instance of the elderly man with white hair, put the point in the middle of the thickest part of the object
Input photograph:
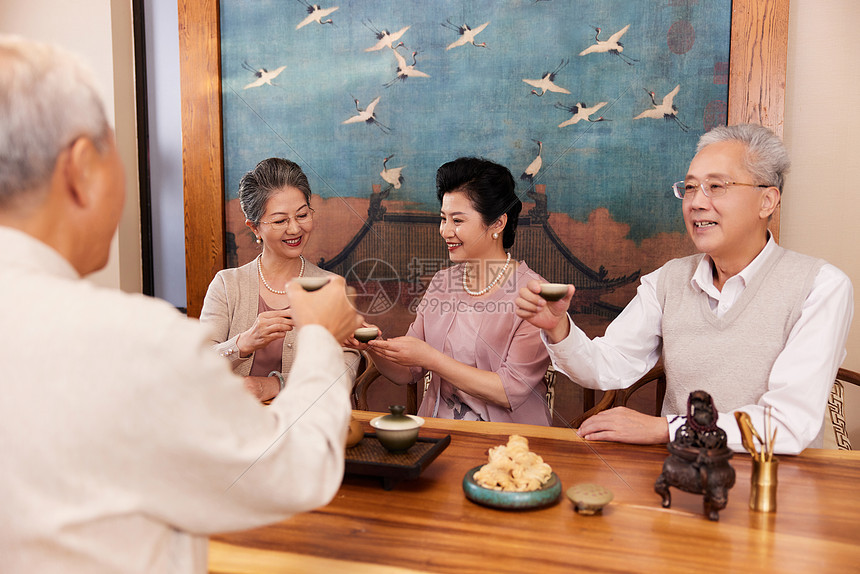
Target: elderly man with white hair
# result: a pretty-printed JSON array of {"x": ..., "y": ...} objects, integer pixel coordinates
[
  {"x": 125, "y": 440},
  {"x": 755, "y": 325}
]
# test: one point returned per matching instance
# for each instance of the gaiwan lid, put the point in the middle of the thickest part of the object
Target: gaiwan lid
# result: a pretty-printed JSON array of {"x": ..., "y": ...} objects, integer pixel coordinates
[
  {"x": 589, "y": 498},
  {"x": 397, "y": 420}
]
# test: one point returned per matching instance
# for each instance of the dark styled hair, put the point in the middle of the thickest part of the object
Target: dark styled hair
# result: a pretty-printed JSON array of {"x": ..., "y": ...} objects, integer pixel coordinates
[
  {"x": 270, "y": 175},
  {"x": 489, "y": 187}
]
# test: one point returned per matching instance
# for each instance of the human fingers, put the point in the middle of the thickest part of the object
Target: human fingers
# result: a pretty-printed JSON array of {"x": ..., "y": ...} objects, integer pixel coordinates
[
  {"x": 595, "y": 423},
  {"x": 564, "y": 302},
  {"x": 353, "y": 343},
  {"x": 526, "y": 307},
  {"x": 379, "y": 344},
  {"x": 625, "y": 425},
  {"x": 388, "y": 347},
  {"x": 528, "y": 295},
  {"x": 275, "y": 314},
  {"x": 273, "y": 319},
  {"x": 328, "y": 306},
  {"x": 393, "y": 355},
  {"x": 268, "y": 326}
]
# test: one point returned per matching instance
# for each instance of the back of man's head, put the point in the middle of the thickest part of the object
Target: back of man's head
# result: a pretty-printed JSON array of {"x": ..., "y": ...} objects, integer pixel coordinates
[{"x": 48, "y": 99}]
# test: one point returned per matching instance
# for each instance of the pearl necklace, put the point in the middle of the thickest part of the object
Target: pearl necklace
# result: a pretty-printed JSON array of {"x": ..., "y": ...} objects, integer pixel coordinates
[
  {"x": 266, "y": 283},
  {"x": 488, "y": 287}
]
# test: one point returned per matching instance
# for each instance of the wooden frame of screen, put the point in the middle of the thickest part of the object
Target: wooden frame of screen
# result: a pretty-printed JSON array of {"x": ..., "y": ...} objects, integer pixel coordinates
[{"x": 757, "y": 70}]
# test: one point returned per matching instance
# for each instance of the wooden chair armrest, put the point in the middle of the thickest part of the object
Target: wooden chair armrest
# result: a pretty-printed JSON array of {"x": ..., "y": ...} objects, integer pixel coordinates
[
  {"x": 365, "y": 377},
  {"x": 658, "y": 375},
  {"x": 371, "y": 374},
  {"x": 848, "y": 376},
  {"x": 606, "y": 402}
]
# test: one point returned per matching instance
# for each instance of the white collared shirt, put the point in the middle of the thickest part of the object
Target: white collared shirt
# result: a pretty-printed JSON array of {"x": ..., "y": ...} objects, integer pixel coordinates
[
  {"x": 801, "y": 376},
  {"x": 126, "y": 440}
]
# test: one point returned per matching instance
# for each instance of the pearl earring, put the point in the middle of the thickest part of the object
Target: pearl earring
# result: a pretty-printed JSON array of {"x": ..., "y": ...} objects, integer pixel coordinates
[
  {"x": 495, "y": 235},
  {"x": 259, "y": 241}
]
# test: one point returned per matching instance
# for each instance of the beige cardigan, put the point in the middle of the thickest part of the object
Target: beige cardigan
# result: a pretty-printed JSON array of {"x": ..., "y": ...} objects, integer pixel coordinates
[{"x": 230, "y": 308}]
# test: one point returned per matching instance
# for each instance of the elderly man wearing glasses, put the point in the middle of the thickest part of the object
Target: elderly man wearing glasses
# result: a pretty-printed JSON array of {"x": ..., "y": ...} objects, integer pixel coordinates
[{"x": 751, "y": 323}]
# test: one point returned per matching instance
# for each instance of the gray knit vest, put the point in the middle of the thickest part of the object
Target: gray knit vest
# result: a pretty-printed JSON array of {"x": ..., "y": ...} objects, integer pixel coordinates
[{"x": 731, "y": 356}]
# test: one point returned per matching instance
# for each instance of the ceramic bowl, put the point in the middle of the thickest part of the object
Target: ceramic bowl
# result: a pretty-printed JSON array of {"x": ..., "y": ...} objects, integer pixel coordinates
[
  {"x": 546, "y": 495},
  {"x": 311, "y": 283},
  {"x": 553, "y": 291},
  {"x": 397, "y": 432},
  {"x": 589, "y": 499},
  {"x": 365, "y": 334}
]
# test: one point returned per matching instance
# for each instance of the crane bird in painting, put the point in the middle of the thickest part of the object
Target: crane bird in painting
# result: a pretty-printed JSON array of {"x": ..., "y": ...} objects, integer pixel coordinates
[
  {"x": 580, "y": 113},
  {"x": 391, "y": 175},
  {"x": 315, "y": 14},
  {"x": 665, "y": 109},
  {"x": 612, "y": 45},
  {"x": 403, "y": 70},
  {"x": 467, "y": 34},
  {"x": 263, "y": 75},
  {"x": 547, "y": 82},
  {"x": 534, "y": 167},
  {"x": 367, "y": 115},
  {"x": 384, "y": 38}
]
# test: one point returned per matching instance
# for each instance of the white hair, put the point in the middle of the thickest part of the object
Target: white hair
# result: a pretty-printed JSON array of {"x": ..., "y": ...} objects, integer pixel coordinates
[
  {"x": 766, "y": 157},
  {"x": 48, "y": 99}
]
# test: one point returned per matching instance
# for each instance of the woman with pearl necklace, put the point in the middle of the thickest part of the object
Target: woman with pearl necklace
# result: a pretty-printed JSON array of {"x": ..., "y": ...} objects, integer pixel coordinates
[{"x": 475, "y": 358}]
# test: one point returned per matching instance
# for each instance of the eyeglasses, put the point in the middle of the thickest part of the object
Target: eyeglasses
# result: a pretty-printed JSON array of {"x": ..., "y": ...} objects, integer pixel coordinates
[
  {"x": 302, "y": 217},
  {"x": 710, "y": 187}
]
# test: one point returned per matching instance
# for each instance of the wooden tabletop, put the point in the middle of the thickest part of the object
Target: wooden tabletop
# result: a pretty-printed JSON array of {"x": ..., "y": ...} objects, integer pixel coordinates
[{"x": 428, "y": 525}]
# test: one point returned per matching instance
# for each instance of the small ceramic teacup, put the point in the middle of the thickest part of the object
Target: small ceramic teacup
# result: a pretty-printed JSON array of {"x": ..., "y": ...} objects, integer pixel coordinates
[
  {"x": 311, "y": 283},
  {"x": 365, "y": 334},
  {"x": 553, "y": 291}
]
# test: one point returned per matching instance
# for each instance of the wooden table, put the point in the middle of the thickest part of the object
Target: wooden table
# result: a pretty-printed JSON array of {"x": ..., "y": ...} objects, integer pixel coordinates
[{"x": 427, "y": 524}]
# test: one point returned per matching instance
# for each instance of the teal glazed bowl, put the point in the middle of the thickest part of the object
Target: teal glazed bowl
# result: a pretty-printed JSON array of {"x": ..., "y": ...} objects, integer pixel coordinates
[
  {"x": 546, "y": 495},
  {"x": 397, "y": 431}
]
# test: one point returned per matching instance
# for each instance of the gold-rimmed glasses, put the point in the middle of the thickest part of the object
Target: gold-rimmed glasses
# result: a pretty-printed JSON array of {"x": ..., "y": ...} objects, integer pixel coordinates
[
  {"x": 710, "y": 187},
  {"x": 303, "y": 216}
]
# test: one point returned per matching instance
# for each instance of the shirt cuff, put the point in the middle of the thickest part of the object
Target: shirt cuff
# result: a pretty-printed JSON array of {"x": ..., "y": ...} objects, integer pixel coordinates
[
  {"x": 566, "y": 350},
  {"x": 230, "y": 350}
]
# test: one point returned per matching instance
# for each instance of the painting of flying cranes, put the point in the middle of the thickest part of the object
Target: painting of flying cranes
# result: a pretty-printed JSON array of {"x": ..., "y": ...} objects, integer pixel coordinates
[{"x": 594, "y": 106}]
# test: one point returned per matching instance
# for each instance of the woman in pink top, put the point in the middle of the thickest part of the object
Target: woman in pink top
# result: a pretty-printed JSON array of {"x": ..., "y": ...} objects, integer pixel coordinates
[{"x": 486, "y": 363}]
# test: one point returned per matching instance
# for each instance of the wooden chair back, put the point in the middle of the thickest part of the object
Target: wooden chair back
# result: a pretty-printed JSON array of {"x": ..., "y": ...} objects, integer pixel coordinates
[{"x": 836, "y": 407}]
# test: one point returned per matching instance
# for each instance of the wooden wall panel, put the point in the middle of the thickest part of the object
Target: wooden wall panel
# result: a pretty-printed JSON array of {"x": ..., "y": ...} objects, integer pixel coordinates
[
  {"x": 202, "y": 150},
  {"x": 758, "y": 66}
]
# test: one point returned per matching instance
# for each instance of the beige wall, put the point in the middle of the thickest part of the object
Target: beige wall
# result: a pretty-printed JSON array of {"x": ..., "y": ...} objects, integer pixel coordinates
[
  {"x": 100, "y": 32},
  {"x": 821, "y": 212}
]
